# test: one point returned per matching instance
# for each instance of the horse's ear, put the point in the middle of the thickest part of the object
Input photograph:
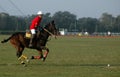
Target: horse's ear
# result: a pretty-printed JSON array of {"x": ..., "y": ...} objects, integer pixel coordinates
[{"x": 53, "y": 22}]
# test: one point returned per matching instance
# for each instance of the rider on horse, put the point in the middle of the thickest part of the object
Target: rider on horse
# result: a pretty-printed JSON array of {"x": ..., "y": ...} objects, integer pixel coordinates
[{"x": 35, "y": 23}]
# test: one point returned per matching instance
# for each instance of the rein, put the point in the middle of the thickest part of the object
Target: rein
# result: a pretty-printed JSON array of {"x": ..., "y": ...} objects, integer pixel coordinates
[{"x": 49, "y": 32}]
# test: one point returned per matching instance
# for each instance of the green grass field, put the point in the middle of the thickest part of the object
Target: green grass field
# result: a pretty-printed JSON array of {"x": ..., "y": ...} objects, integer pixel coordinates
[{"x": 68, "y": 57}]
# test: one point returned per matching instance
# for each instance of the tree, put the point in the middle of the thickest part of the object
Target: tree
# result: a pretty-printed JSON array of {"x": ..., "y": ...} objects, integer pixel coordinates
[
  {"x": 87, "y": 24},
  {"x": 64, "y": 19},
  {"x": 107, "y": 21},
  {"x": 3, "y": 19},
  {"x": 117, "y": 24}
]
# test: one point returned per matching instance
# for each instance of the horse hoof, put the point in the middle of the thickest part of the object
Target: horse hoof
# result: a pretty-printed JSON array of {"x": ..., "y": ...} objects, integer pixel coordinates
[
  {"x": 28, "y": 61},
  {"x": 22, "y": 62},
  {"x": 43, "y": 59},
  {"x": 32, "y": 57},
  {"x": 30, "y": 46}
]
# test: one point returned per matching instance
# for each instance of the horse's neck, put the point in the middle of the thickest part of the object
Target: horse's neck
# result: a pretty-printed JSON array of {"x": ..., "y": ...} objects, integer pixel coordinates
[{"x": 44, "y": 34}]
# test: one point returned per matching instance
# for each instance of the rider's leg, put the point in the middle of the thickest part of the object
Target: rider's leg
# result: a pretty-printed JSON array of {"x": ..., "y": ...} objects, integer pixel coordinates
[{"x": 33, "y": 36}]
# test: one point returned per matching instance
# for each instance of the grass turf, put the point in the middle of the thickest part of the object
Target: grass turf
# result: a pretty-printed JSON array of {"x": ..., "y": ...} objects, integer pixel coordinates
[{"x": 68, "y": 57}]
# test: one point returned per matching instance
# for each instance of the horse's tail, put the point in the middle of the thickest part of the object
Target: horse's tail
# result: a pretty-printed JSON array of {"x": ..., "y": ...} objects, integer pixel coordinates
[{"x": 6, "y": 40}]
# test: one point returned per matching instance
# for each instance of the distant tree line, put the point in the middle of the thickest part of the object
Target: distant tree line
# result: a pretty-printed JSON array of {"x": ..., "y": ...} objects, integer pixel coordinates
[{"x": 65, "y": 20}]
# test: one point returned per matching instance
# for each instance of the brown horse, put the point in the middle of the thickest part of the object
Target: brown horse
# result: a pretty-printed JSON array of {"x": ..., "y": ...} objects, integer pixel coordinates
[{"x": 19, "y": 41}]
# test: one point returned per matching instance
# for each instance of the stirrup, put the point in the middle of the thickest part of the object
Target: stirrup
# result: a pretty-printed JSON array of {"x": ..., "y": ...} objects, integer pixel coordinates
[{"x": 30, "y": 45}]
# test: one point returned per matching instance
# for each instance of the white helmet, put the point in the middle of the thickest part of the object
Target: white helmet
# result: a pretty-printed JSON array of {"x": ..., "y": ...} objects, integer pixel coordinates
[{"x": 39, "y": 13}]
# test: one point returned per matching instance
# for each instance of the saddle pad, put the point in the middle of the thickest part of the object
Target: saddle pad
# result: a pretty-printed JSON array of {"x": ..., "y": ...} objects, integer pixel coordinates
[{"x": 28, "y": 35}]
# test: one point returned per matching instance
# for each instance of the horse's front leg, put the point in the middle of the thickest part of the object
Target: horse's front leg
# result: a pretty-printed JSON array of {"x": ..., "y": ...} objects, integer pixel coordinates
[
  {"x": 45, "y": 53},
  {"x": 40, "y": 54}
]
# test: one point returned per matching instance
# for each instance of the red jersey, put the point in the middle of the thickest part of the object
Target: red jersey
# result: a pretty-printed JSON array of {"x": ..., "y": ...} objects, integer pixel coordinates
[{"x": 35, "y": 22}]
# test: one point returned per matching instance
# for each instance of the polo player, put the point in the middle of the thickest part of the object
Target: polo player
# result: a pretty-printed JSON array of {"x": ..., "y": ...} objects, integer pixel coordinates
[{"x": 35, "y": 23}]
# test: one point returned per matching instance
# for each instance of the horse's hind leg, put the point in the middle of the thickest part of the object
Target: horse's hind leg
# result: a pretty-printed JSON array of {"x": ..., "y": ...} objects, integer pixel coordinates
[
  {"x": 19, "y": 54},
  {"x": 21, "y": 57},
  {"x": 18, "y": 47},
  {"x": 19, "y": 51}
]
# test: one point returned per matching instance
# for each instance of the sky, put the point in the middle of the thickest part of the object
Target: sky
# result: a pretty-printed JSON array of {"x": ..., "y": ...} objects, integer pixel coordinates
[{"x": 81, "y": 8}]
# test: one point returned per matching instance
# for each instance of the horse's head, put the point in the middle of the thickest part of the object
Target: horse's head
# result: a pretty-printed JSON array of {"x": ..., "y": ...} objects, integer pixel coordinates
[{"x": 51, "y": 28}]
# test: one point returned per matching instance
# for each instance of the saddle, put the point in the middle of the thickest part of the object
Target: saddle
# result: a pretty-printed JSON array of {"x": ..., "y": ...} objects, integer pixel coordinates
[{"x": 28, "y": 34}]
